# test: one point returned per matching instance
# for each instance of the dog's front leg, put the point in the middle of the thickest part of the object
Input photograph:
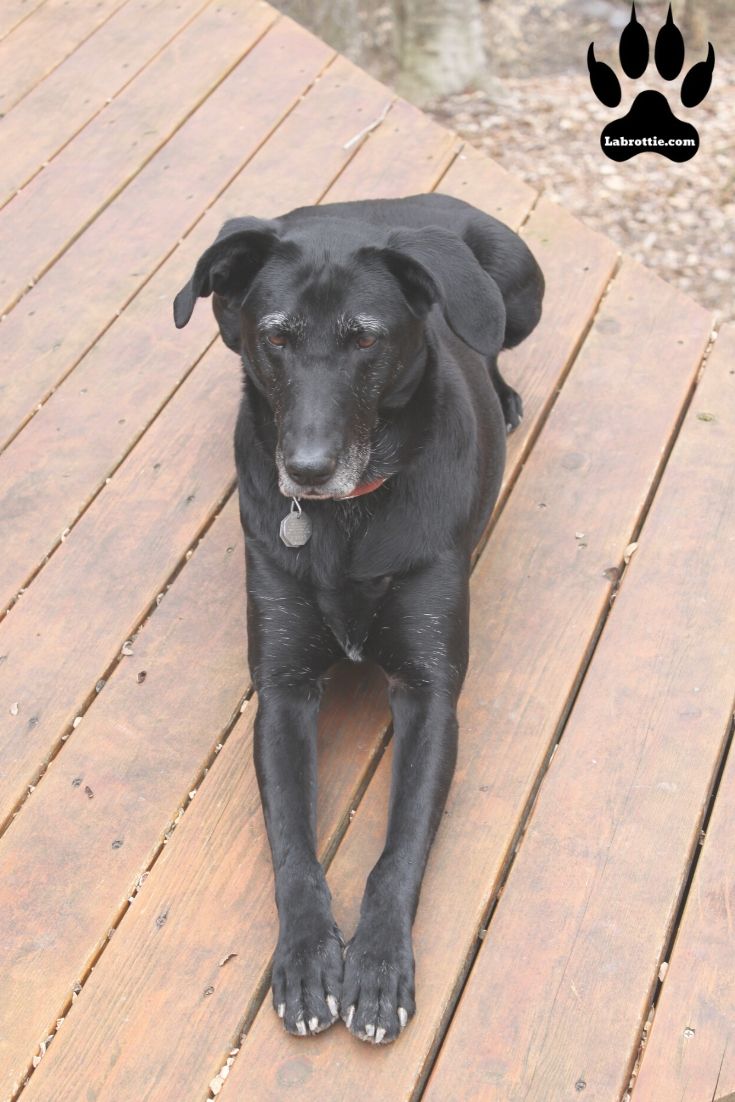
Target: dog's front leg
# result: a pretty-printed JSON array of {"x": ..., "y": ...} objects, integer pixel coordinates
[
  {"x": 421, "y": 640},
  {"x": 307, "y": 968},
  {"x": 290, "y": 648}
]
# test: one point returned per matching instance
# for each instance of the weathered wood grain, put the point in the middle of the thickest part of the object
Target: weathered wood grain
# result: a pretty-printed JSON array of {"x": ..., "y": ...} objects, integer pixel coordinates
[
  {"x": 56, "y": 206},
  {"x": 159, "y": 1011},
  {"x": 40, "y": 42},
  {"x": 101, "y": 811},
  {"x": 59, "y": 320},
  {"x": 560, "y": 989},
  {"x": 538, "y": 592},
  {"x": 424, "y": 145},
  {"x": 53, "y": 468},
  {"x": 577, "y": 265},
  {"x": 57, "y": 108},
  {"x": 482, "y": 182},
  {"x": 14, "y": 12},
  {"x": 60, "y": 638},
  {"x": 690, "y": 1053}
]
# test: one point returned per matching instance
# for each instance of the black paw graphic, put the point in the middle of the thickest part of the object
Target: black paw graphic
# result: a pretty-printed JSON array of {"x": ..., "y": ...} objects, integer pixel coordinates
[{"x": 650, "y": 125}]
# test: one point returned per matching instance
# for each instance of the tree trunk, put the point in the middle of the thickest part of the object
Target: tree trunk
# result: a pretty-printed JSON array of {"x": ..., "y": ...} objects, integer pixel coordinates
[
  {"x": 439, "y": 46},
  {"x": 335, "y": 21}
]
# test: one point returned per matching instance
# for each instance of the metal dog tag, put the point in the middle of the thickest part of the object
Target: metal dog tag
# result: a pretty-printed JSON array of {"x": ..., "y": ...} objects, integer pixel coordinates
[{"x": 295, "y": 526}]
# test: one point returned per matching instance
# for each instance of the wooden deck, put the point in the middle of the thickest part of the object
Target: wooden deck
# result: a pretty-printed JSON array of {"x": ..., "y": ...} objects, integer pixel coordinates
[{"x": 586, "y": 853}]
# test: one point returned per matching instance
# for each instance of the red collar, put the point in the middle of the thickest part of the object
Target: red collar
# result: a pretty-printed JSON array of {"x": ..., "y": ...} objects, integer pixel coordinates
[{"x": 365, "y": 488}]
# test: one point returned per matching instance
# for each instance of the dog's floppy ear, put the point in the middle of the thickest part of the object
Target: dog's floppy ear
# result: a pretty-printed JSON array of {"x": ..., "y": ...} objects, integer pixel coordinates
[
  {"x": 228, "y": 266},
  {"x": 434, "y": 265}
]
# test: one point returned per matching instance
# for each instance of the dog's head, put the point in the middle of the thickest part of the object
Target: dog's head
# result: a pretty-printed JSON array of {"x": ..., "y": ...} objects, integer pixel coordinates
[{"x": 329, "y": 319}]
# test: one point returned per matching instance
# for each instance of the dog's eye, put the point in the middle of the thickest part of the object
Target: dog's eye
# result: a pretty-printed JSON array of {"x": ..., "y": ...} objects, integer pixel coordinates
[
  {"x": 277, "y": 340},
  {"x": 366, "y": 341}
]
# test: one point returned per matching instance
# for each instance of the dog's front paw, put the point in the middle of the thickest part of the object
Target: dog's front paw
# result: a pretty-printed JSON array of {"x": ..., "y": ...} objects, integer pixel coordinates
[
  {"x": 307, "y": 977},
  {"x": 378, "y": 987}
]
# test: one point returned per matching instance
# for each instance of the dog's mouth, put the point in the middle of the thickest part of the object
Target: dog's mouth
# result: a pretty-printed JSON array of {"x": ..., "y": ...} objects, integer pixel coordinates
[
  {"x": 345, "y": 481},
  {"x": 289, "y": 488},
  {"x": 310, "y": 495}
]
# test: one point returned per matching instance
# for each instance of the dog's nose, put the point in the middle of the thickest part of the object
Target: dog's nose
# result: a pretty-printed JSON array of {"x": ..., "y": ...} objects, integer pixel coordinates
[{"x": 311, "y": 468}]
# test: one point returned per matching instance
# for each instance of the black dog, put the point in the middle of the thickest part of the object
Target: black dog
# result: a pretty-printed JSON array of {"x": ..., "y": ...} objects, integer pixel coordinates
[{"x": 370, "y": 448}]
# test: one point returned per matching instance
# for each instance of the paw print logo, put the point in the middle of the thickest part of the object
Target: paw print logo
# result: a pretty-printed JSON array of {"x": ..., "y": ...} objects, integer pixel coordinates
[{"x": 650, "y": 125}]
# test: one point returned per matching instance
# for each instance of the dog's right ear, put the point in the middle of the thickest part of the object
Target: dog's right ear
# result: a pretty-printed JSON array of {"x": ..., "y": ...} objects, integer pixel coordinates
[{"x": 228, "y": 267}]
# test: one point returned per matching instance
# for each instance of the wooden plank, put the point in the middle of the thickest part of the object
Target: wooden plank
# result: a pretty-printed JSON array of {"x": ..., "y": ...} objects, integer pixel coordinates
[
  {"x": 53, "y": 326},
  {"x": 425, "y": 145},
  {"x": 625, "y": 782},
  {"x": 190, "y": 689},
  {"x": 538, "y": 594},
  {"x": 588, "y": 906},
  {"x": 344, "y": 92},
  {"x": 14, "y": 12},
  {"x": 111, "y": 567},
  {"x": 482, "y": 182},
  {"x": 156, "y": 1017},
  {"x": 577, "y": 265},
  {"x": 690, "y": 1054},
  {"x": 58, "y": 462},
  {"x": 346, "y": 759},
  {"x": 51, "y": 212},
  {"x": 57, "y": 108},
  {"x": 138, "y": 751},
  {"x": 42, "y": 41}
]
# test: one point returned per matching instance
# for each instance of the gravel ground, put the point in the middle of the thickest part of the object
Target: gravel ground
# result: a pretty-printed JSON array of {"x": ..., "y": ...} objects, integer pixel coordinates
[{"x": 540, "y": 120}]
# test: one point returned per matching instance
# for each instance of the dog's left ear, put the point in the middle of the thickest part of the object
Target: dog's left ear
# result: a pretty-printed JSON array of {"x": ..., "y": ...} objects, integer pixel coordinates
[
  {"x": 433, "y": 265},
  {"x": 228, "y": 266}
]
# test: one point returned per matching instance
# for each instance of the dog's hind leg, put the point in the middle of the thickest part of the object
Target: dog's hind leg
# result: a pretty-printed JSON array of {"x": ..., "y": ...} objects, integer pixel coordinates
[{"x": 510, "y": 399}]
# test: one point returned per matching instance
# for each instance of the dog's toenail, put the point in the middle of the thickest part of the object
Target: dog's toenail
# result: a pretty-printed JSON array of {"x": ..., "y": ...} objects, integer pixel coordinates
[
  {"x": 313, "y": 1024},
  {"x": 402, "y": 1016},
  {"x": 281, "y": 1009},
  {"x": 350, "y": 1016},
  {"x": 301, "y": 1028},
  {"x": 370, "y": 1030},
  {"x": 379, "y": 1035},
  {"x": 333, "y": 1005}
]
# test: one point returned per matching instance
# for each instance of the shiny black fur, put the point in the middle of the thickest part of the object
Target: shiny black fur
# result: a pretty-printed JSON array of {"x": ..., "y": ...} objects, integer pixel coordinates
[{"x": 442, "y": 288}]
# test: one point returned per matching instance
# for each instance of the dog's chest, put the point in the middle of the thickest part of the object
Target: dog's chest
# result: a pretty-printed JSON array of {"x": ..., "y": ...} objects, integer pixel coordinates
[{"x": 349, "y": 611}]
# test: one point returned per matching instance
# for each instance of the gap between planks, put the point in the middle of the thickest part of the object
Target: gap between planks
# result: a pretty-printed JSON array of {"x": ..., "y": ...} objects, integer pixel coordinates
[
  {"x": 638, "y": 1055},
  {"x": 19, "y": 18}
]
